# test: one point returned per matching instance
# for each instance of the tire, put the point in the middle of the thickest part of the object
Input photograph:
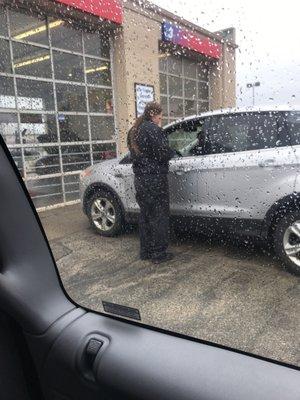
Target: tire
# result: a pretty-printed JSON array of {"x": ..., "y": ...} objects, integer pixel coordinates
[
  {"x": 105, "y": 213},
  {"x": 286, "y": 238}
]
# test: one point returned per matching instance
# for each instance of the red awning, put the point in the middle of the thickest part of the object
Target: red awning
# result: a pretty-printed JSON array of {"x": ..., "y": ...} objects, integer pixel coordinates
[{"x": 107, "y": 9}]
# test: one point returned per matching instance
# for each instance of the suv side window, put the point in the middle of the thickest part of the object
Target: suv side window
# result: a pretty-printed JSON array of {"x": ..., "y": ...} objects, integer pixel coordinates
[
  {"x": 263, "y": 131},
  {"x": 242, "y": 132},
  {"x": 183, "y": 137}
]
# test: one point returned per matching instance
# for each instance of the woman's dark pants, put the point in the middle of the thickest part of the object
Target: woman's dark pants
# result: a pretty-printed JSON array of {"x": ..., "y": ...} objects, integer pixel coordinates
[{"x": 152, "y": 195}]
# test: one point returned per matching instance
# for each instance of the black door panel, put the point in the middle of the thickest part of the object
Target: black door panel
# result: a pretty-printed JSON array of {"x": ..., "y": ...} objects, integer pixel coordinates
[
  {"x": 138, "y": 363},
  {"x": 30, "y": 288}
]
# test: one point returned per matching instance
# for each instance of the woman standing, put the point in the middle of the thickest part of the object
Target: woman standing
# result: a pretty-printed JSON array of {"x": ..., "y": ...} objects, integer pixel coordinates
[{"x": 150, "y": 154}]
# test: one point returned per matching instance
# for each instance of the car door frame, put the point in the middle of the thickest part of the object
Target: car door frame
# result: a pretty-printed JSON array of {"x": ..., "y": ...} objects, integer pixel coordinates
[
  {"x": 227, "y": 161},
  {"x": 183, "y": 174}
]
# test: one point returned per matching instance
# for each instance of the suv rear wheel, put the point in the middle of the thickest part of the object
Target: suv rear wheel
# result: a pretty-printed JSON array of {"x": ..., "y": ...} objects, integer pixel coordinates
[
  {"x": 105, "y": 213},
  {"x": 287, "y": 241}
]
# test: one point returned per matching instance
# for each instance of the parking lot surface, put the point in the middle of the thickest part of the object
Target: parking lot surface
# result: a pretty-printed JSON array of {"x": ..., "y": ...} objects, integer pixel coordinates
[{"x": 229, "y": 292}]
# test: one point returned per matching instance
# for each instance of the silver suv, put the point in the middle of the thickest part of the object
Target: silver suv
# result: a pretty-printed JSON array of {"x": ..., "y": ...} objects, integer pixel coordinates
[{"x": 236, "y": 170}]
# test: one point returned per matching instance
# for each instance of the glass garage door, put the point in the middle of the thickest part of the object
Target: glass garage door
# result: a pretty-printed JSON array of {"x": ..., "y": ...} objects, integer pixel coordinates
[
  {"x": 56, "y": 103},
  {"x": 184, "y": 86}
]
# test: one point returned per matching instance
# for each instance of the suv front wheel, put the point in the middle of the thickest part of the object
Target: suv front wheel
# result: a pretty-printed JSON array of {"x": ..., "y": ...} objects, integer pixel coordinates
[
  {"x": 287, "y": 241},
  {"x": 105, "y": 213}
]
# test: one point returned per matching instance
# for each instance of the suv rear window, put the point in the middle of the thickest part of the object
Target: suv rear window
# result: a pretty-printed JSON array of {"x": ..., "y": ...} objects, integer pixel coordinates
[{"x": 241, "y": 132}]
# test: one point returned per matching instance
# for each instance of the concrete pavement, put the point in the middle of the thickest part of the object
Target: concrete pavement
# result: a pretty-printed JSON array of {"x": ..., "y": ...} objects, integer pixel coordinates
[{"x": 233, "y": 294}]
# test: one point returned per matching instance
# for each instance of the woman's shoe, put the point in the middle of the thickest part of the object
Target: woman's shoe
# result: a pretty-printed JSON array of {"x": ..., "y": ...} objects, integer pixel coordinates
[
  {"x": 162, "y": 259},
  {"x": 145, "y": 257}
]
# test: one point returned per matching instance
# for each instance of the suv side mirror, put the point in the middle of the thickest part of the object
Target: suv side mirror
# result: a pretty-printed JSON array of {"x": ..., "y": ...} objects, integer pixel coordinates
[{"x": 126, "y": 159}]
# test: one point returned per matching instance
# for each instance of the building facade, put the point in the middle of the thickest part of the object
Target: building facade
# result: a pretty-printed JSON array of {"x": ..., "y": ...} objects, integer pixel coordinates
[{"x": 69, "y": 74}]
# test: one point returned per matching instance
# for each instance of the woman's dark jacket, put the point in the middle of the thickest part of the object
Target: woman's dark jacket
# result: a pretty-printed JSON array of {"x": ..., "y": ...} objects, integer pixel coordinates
[{"x": 154, "y": 151}]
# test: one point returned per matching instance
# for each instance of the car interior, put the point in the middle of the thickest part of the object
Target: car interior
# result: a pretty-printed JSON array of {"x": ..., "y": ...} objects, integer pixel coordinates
[{"x": 52, "y": 348}]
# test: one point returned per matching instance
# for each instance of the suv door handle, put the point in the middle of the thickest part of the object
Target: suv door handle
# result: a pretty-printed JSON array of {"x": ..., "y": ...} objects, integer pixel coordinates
[
  {"x": 183, "y": 171},
  {"x": 268, "y": 163}
]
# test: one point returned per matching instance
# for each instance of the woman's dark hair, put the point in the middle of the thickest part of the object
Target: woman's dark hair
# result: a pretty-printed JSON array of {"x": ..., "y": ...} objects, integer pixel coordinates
[{"x": 151, "y": 110}]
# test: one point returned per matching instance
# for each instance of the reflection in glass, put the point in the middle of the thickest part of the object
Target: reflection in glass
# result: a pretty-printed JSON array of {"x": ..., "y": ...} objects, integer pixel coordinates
[
  {"x": 7, "y": 93},
  {"x": 73, "y": 128},
  {"x": 176, "y": 107},
  {"x": 27, "y": 28},
  {"x": 189, "y": 69},
  {"x": 163, "y": 83},
  {"x": 202, "y": 71},
  {"x": 190, "y": 107},
  {"x": 45, "y": 191},
  {"x": 70, "y": 97},
  {"x": 104, "y": 151},
  {"x": 39, "y": 162},
  {"x": 102, "y": 128},
  {"x": 203, "y": 106},
  {"x": 190, "y": 88},
  {"x": 3, "y": 22},
  {"x": 31, "y": 60},
  {"x": 35, "y": 95},
  {"x": 164, "y": 104},
  {"x": 96, "y": 45},
  {"x": 9, "y": 128},
  {"x": 5, "y": 61},
  {"x": 65, "y": 36},
  {"x": 75, "y": 157},
  {"x": 71, "y": 187},
  {"x": 38, "y": 128},
  {"x": 68, "y": 67},
  {"x": 175, "y": 86},
  {"x": 100, "y": 100},
  {"x": 98, "y": 72},
  {"x": 175, "y": 65},
  {"x": 202, "y": 90},
  {"x": 163, "y": 62}
]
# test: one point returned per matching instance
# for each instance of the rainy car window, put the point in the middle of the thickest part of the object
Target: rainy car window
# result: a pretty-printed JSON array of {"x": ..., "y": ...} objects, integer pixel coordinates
[
  {"x": 243, "y": 132},
  {"x": 160, "y": 144},
  {"x": 184, "y": 137}
]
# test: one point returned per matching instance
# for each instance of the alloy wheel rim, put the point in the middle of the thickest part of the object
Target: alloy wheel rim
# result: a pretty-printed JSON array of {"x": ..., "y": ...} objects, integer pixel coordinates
[
  {"x": 103, "y": 214},
  {"x": 291, "y": 242}
]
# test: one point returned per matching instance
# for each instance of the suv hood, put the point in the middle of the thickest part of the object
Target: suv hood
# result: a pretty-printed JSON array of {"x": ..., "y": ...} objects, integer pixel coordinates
[{"x": 107, "y": 164}]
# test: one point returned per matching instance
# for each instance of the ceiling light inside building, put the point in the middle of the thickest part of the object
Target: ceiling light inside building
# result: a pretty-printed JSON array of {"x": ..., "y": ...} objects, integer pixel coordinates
[
  {"x": 31, "y": 61},
  {"x": 96, "y": 69},
  {"x": 39, "y": 29}
]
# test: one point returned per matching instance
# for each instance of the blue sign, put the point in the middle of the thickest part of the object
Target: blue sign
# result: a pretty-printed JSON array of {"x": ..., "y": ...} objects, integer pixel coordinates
[{"x": 170, "y": 32}]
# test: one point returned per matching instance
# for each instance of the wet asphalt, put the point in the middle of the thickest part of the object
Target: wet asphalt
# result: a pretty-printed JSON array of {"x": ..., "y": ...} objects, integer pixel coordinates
[{"x": 228, "y": 291}]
